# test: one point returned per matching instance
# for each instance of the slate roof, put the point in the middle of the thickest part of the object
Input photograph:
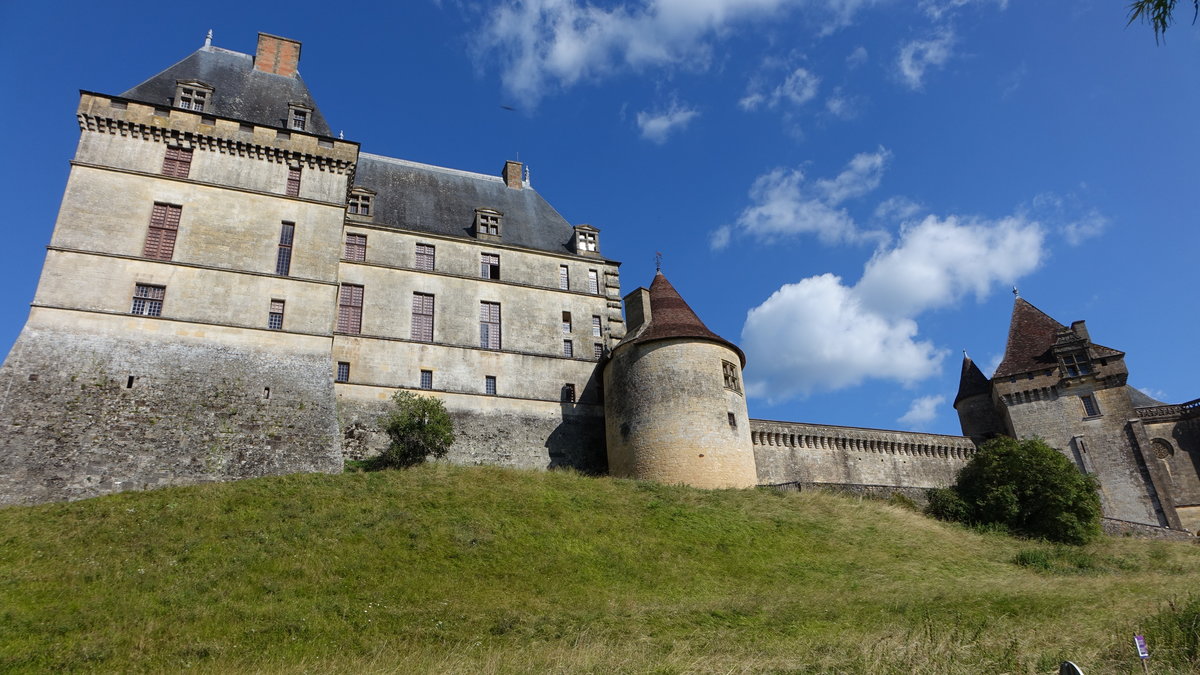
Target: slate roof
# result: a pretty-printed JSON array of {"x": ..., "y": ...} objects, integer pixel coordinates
[
  {"x": 972, "y": 381},
  {"x": 239, "y": 91},
  {"x": 671, "y": 317},
  {"x": 1141, "y": 399},
  {"x": 1031, "y": 337},
  {"x": 442, "y": 201}
]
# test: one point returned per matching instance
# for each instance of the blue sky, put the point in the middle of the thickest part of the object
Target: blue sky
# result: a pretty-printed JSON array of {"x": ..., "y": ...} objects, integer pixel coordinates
[{"x": 849, "y": 190}]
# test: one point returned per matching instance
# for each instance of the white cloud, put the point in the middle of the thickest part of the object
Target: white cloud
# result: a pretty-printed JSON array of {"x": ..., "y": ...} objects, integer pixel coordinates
[
  {"x": 719, "y": 238},
  {"x": 857, "y": 57},
  {"x": 922, "y": 411},
  {"x": 938, "y": 9},
  {"x": 843, "y": 106},
  {"x": 798, "y": 88},
  {"x": 897, "y": 209},
  {"x": 658, "y": 126},
  {"x": 1156, "y": 394},
  {"x": 918, "y": 56},
  {"x": 783, "y": 204},
  {"x": 1075, "y": 221}
]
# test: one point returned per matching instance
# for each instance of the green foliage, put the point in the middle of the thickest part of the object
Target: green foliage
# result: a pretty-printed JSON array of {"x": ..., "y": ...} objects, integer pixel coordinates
[
  {"x": 1069, "y": 560},
  {"x": 418, "y": 427},
  {"x": 1160, "y": 14},
  {"x": 1174, "y": 634},
  {"x": 1026, "y": 487}
]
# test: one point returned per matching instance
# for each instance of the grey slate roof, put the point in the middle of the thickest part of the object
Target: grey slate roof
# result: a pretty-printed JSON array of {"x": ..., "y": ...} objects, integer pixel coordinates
[
  {"x": 239, "y": 91},
  {"x": 442, "y": 201}
]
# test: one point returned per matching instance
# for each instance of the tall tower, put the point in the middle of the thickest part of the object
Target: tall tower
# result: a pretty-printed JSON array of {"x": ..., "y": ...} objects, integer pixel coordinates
[{"x": 675, "y": 408}]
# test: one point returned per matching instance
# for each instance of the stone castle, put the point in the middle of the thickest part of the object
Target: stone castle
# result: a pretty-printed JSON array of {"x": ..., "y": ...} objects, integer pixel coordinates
[{"x": 231, "y": 291}]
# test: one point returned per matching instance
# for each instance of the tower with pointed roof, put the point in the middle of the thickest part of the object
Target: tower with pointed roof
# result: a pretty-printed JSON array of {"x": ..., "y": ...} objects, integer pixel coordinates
[{"x": 675, "y": 408}]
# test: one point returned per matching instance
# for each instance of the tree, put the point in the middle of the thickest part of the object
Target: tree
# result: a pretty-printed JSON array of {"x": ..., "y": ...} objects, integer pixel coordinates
[
  {"x": 417, "y": 427},
  {"x": 1025, "y": 486},
  {"x": 1158, "y": 13}
]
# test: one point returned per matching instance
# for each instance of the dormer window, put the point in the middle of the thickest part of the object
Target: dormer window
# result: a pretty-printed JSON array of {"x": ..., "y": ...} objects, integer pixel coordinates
[
  {"x": 193, "y": 96},
  {"x": 487, "y": 222},
  {"x": 361, "y": 203},
  {"x": 1075, "y": 364},
  {"x": 587, "y": 239},
  {"x": 298, "y": 116}
]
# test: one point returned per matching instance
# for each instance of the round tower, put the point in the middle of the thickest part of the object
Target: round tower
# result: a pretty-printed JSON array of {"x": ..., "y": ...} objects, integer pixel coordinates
[{"x": 674, "y": 405}]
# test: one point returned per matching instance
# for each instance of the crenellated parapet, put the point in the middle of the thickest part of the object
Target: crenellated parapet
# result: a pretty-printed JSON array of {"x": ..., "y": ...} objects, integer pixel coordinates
[
  {"x": 1170, "y": 413},
  {"x": 827, "y": 437}
]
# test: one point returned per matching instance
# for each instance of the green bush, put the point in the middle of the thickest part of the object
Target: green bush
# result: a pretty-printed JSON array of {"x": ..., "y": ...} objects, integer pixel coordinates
[
  {"x": 1026, "y": 487},
  {"x": 418, "y": 427}
]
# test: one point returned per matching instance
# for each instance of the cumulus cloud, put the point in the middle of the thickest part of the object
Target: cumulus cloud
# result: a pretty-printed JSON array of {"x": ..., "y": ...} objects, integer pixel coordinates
[
  {"x": 918, "y": 56},
  {"x": 783, "y": 204},
  {"x": 922, "y": 411},
  {"x": 821, "y": 334},
  {"x": 658, "y": 126},
  {"x": 798, "y": 88}
]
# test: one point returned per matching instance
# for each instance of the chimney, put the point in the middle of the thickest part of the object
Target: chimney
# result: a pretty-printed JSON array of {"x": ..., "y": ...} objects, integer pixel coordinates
[
  {"x": 277, "y": 55},
  {"x": 512, "y": 174},
  {"x": 637, "y": 310},
  {"x": 1079, "y": 328}
]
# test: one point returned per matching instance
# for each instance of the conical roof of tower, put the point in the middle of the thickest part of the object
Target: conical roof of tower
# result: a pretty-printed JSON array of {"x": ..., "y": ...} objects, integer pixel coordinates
[
  {"x": 1031, "y": 337},
  {"x": 671, "y": 317},
  {"x": 972, "y": 382}
]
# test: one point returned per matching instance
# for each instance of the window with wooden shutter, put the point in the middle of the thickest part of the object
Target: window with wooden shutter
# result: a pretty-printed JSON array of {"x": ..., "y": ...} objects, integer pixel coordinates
[
  {"x": 593, "y": 281},
  {"x": 148, "y": 300},
  {"x": 293, "y": 182},
  {"x": 283, "y": 258},
  {"x": 164, "y": 225},
  {"x": 489, "y": 325},
  {"x": 177, "y": 162},
  {"x": 425, "y": 257},
  {"x": 422, "y": 317},
  {"x": 275, "y": 316},
  {"x": 350, "y": 304},
  {"x": 356, "y": 247}
]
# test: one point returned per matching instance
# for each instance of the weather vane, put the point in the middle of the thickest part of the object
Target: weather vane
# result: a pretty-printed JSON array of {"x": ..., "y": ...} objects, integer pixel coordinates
[
  {"x": 1015, "y": 293},
  {"x": 658, "y": 261}
]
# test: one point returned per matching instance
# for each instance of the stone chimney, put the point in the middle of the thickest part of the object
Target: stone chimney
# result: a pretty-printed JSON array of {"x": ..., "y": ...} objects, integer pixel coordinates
[
  {"x": 512, "y": 174},
  {"x": 637, "y": 309},
  {"x": 277, "y": 55},
  {"x": 1079, "y": 328}
]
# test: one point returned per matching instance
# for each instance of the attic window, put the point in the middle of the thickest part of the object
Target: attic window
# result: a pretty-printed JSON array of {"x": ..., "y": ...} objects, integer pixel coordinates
[
  {"x": 361, "y": 202},
  {"x": 193, "y": 96},
  {"x": 298, "y": 117},
  {"x": 487, "y": 222},
  {"x": 1076, "y": 363},
  {"x": 586, "y": 239}
]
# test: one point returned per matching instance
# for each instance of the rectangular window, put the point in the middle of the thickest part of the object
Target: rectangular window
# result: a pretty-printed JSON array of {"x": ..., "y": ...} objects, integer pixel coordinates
[
  {"x": 192, "y": 98},
  {"x": 568, "y": 349},
  {"x": 732, "y": 420},
  {"x": 1089, "y": 405},
  {"x": 293, "y": 181},
  {"x": 422, "y": 317},
  {"x": 587, "y": 242},
  {"x": 487, "y": 222},
  {"x": 275, "y": 316},
  {"x": 426, "y": 257},
  {"x": 350, "y": 305},
  {"x": 595, "y": 325},
  {"x": 343, "y": 371},
  {"x": 597, "y": 350},
  {"x": 568, "y": 393},
  {"x": 148, "y": 300},
  {"x": 360, "y": 204},
  {"x": 566, "y": 323},
  {"x": 489, "y": 266},
  {"x": 1076, "y": 363},
  {"x": 177, "y": 162},
  {"x": 427, "y": 379},
  {"x": 564, "y": 278},
  {"x": 593, "y": 282},
  {"x": 164, "y": 226},
  {"x": 299, "y": 119},
  {"x": 283, "y": 259},
  {"x": 489, "y": 385},
  {"x": 730, "y": 372},
  {"x": 489, "y": 325},
  {"x": 356, "y": 247}
]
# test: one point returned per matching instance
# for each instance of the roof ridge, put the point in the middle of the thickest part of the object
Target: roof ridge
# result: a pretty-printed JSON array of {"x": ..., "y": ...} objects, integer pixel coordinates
[{"x": 432, "y": 167}]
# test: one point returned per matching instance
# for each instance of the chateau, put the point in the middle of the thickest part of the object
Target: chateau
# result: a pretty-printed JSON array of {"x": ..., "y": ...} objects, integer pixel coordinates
[{"x": 231, "y": 291}]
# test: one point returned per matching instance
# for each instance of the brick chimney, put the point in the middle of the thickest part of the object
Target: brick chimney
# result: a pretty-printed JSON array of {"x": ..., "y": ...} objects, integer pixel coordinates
[
  {"x": 512, "y": 174},
  {"x": 277, "y": 55}
]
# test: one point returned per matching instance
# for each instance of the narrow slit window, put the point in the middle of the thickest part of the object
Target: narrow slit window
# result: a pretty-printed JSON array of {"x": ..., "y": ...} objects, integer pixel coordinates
[
  {"x": 283, "y": 258},
  {"x": 164, "y": 227}
]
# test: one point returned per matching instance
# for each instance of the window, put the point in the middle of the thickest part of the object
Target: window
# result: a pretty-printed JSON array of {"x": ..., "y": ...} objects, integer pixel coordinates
[
  {"x": 298, "y": 119},
  {"x": 192, "y": 97},
  {"x": 343, "y": 371},
  {"x": 356, "y": 247},
  {"x": 732, "y": 381},
  {"x": 593, "y": 282},
  {"x": 586, "y": 242},
  {"x": 568, "y": 349},
  {"x": 732, "y": 420},
  {"x": 489, "y": 266},
  {"x": 426, "y": 257},
  {"x": 489, "y": 325},
  {"x": 164, "y": 225},
  {"x": 566, "y": 323},
  {"x": 597, "y": 350},
  {"x": 148, "y": 300},
  {"x": 1076, "y": 363},
  {"x": 293, "y": 181},
  {"x": 360, "y": 204},
  {"x": 177, "y": 162},
  {"x": 427, "y": 379},
  {"x": 275, "y": 316},
  {"x": 595, "y": 325},
  {"x": 489, "y": 385},
  {"x": 350, "y": 304},
  {"x": 422, "y": 317},
  {"x": 568, "y": 393},
  {"x": 564, "y": 278},
  {"x": 487, "y": 222},
  {"x": 1089, "y": 405},
  {"x": 283, "y": 258}
]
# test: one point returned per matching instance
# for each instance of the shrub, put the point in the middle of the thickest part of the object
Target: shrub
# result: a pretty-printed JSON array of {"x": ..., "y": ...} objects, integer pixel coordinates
[
  {"x": 1028, "y": 488},
  {"x": 417, "y": 427}
]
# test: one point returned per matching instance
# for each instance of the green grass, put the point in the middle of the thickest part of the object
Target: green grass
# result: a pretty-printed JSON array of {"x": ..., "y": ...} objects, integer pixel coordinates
[{"x": 452, "y": 569}]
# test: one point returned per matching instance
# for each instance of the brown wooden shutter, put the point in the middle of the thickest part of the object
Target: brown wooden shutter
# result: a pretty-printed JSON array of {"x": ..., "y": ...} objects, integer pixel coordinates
[
  {"x": 293, "y": 182},
  {"x": 422, "y": 317},
  {"x": 164, "y": 225},
  {"x": 350, "y": 303}
]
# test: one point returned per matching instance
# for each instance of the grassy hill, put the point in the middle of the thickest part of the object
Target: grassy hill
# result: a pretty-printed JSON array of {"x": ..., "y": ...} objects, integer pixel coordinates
[{"x": 452, "y": 569}]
